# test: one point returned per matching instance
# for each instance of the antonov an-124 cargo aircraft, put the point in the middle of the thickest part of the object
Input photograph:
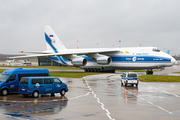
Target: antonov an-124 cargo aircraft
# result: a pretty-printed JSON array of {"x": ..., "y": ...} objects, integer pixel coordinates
[{"x": 103, "y": 59}]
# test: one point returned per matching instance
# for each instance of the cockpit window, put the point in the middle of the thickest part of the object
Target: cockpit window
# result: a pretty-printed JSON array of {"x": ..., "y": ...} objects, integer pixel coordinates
[{"x": 156, "y": 50}]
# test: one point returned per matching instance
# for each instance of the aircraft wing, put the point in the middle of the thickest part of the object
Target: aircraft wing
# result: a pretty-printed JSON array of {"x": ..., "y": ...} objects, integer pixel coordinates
[
  {"x": 70, "y": 52},
  {"x": 37, "y": 52}
]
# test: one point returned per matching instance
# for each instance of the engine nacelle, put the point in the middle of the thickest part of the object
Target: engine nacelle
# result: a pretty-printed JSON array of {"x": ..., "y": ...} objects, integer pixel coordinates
[
  {"x": 79, "y": 61},
  {"x": 105, "y": 60}
]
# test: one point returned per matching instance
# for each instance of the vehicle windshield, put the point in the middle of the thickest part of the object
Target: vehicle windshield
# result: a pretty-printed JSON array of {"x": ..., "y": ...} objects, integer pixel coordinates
[
  {"x": 3, "y": 77},
  {"x": 24, "y": 81},
  {"x": 132, "y": 75}
]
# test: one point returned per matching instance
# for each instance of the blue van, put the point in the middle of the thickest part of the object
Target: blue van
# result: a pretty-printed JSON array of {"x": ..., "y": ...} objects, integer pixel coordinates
[
  {"x": 41, "y": 85},
  {"x": 9, "y": 79}
]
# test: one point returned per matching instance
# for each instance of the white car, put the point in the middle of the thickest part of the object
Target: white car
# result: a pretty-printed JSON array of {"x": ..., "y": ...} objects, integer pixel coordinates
[{"x": 129, "y": 78}]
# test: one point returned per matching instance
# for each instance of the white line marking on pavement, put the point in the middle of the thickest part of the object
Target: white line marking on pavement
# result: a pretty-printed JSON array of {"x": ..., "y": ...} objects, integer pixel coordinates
[
  {"x": 162, "y": 90},
  {"x": 147, "y": 101},
  {"x": 98, "y": 100}
]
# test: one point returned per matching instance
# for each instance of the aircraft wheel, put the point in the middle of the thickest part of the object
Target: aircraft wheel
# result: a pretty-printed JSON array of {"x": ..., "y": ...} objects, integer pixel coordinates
[
  {"x": 149, "y": 72},
  {"x": 89, "y": 70}
]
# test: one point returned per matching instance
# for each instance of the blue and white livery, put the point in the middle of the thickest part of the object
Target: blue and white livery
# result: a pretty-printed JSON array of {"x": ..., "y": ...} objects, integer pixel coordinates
[{"x": 103, "y": 59}]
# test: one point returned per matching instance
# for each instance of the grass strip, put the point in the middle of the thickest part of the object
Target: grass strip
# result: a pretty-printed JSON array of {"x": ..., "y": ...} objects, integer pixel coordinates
[
  {"x": 1, "y": 70},
  {"x": 176, "y": 72},
  {"x": 159, "y": 78},
  {"x": 67, "y": 74},
  {"x": 143, "y": 78},
  {"x": 71, "y": 74},
  {"x": 136, "y": 70}
]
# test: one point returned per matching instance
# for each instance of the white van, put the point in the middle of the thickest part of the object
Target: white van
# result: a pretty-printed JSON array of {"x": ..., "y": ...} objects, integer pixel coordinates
[{"x": 129, "y": 78}]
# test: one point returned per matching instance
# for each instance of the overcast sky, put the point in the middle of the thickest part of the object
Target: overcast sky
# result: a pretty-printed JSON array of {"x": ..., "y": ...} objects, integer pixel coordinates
[{"x": 134, "y": 22}]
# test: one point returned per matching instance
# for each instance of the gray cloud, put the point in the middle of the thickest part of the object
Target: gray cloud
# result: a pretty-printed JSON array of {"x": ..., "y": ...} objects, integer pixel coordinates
[{"x": 149, "y": 23}]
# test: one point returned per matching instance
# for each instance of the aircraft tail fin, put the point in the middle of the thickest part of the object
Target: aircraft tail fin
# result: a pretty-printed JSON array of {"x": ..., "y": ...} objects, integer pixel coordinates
[
  {"x": 168, "y": 51},
  {"x": 52, "y": 40}
]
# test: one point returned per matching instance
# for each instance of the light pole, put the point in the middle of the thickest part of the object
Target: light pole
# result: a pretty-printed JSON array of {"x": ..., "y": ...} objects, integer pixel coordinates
[
  {"x": 119, "y": 43},
  {"x": 77, "y": 44},
  {"x": 172, "y": 52}
]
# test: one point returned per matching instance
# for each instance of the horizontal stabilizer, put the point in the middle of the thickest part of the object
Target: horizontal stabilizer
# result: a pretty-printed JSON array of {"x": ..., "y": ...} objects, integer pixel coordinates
[{"x": 168, "y": 51}]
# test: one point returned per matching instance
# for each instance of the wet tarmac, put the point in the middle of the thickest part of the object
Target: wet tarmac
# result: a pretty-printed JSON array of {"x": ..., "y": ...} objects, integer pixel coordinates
[
  {"x": 98, "y": 97},
  {"x": 167, "y": 71}
]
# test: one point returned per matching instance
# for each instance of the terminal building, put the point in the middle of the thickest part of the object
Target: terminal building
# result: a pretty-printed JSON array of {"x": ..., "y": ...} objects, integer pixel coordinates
[
  {"x": 40, "y": 61},
  {"x": 46, "y": 61}
]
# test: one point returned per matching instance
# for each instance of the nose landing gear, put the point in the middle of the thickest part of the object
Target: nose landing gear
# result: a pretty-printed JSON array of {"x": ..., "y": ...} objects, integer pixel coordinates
[{"x": 149, "y": 72}]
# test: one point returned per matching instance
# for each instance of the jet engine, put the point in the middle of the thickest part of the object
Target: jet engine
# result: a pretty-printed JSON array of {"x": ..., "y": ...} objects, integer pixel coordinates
[
  {"x": 79, "y": 61},
  {"x": 105, "y": 60}
]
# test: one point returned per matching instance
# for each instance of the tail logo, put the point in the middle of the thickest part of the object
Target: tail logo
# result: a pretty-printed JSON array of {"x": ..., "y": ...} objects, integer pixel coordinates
[{"x": 53, "y": 41}]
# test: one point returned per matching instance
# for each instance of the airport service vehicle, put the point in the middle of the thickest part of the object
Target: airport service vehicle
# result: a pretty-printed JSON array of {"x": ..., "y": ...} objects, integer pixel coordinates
[
  {"x": 41, "y": 85},
  {"x": 9, "y": 79},
  {"x": 103, "y": 59},
  {"x": 129, "y": 78}
]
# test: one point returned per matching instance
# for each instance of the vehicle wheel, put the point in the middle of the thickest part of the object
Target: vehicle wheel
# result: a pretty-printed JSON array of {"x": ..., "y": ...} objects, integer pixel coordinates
[
  {"x": 63, "y": 92},
  {"x": 52, "y": 94},
  {"x": 35, "y": 94},
  {"x": 25, "y": 95},
  {"x": 4, "y": 92},
  {"x": 121, "y": 83}
]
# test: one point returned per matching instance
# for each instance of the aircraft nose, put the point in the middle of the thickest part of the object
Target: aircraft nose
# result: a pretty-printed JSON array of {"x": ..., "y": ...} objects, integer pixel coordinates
[{"x": 173, "y": 61}]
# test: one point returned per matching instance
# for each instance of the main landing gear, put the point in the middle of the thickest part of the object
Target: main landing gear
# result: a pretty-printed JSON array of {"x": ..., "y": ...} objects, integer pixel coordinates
[
  {"x": 98, "y": 70},
  {"x": 149, "y": 72}
]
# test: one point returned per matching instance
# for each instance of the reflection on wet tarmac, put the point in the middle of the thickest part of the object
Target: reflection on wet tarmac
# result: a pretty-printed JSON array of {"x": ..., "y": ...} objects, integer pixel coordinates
[
  {"x": 130, "y": 93},
  {"x": 33, "y": 107}
]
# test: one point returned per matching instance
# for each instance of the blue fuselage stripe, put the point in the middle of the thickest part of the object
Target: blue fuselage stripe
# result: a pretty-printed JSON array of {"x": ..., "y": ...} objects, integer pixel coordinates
[
  {"x": 129, "y": 59},
  {"x": 141, "y": 59}
]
